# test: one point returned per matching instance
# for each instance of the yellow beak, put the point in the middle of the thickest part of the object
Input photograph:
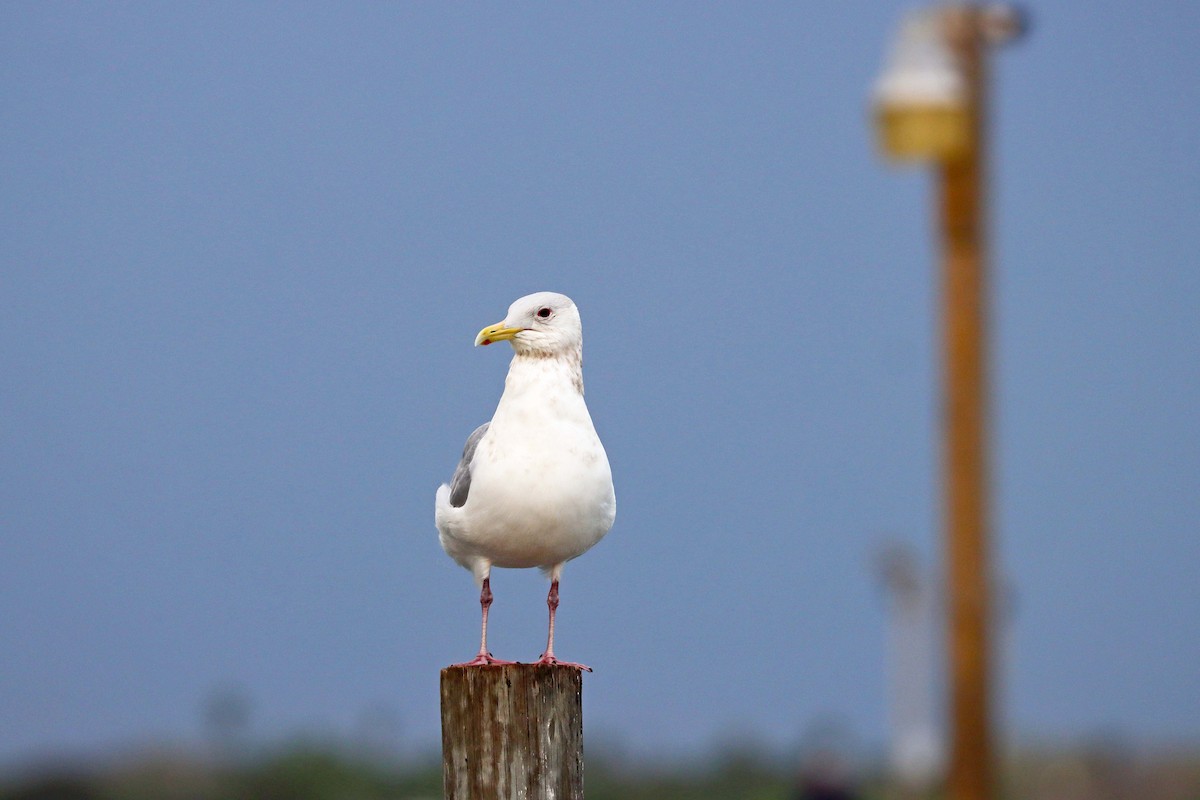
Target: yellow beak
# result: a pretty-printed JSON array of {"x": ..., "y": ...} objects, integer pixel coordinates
[{"x": 496, "y": 333}]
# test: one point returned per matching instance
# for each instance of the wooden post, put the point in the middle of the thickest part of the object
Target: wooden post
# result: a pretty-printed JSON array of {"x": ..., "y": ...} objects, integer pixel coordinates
[
  {"x": 512, "y": 732},
  {"x": 964, "y": 461}
]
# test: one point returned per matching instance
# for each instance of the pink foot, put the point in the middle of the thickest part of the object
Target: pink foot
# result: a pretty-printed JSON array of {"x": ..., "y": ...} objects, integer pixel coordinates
[
  {"x": 485, "y": 660},
  {"x": 551, "y": 661}
]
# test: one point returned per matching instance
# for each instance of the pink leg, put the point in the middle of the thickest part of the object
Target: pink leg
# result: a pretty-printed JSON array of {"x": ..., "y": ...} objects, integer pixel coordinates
[
  {"x": 484, "y": 658},
  {"x": 548, "y": 656}
]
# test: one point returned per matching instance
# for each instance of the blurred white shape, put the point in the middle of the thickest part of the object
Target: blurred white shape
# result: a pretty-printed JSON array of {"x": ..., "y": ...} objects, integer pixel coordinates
[
  {"x": 916, "y": 752},
  {"x": 921, "y": 69}
]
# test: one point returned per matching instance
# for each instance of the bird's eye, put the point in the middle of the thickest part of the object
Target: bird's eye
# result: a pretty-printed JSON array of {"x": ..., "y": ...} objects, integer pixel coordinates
[{"x": 544, "y": 313}]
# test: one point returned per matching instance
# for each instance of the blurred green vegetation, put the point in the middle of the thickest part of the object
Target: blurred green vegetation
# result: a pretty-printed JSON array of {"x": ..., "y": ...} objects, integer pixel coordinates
[
  {"x": 311, "y": 773},
  {"x": 307, "y": 771}
]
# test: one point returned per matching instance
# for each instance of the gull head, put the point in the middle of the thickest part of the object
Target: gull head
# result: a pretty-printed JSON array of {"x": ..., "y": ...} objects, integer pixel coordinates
[{"x": 542, "y": 324}]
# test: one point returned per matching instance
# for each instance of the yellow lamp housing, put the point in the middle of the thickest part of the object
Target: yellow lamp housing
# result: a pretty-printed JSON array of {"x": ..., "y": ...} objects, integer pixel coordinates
[
  {"x": 921, "y": 105},
  {"x": 924, "y": 132}
]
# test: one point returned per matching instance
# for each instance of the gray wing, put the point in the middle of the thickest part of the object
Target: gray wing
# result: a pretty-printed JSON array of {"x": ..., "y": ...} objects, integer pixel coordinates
[{"x": 460, "y": 484}]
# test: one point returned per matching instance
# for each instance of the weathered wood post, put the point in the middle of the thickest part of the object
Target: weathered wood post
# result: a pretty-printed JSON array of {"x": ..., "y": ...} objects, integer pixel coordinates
[{"x": 512, "y": 732}]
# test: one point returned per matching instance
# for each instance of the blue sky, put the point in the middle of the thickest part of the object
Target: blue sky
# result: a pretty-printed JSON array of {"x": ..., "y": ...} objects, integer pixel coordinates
[{"x": 245, "y": 252}]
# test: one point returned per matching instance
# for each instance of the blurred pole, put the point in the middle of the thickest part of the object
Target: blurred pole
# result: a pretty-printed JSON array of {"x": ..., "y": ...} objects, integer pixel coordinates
[
  {"x": 931, "y": 106},
  {"x": 916, "y": 757},
  {"x": 964, "y": 457}
]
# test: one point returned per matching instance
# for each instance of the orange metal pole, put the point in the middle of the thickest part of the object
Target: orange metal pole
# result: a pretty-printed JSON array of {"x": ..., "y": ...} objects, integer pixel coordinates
[{"x": 964, "y": 458}]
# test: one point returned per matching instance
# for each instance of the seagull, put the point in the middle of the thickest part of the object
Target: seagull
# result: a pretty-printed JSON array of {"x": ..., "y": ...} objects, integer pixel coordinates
[{"x": 533, "y": 488}]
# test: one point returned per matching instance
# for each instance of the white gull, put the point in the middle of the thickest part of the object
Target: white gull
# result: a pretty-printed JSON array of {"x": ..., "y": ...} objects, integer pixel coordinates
[{"x": 534, "y": 488}]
